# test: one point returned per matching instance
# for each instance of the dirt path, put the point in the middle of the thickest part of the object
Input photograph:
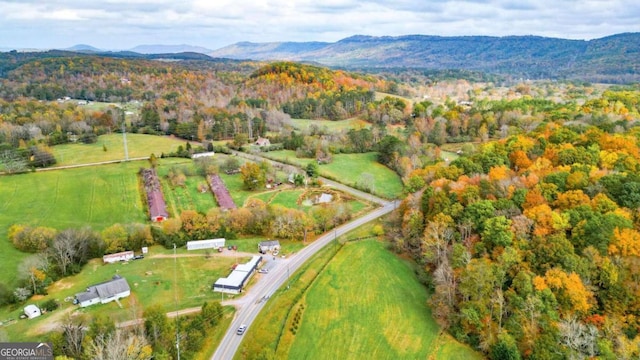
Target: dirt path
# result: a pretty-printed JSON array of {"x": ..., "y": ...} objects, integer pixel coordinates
[
  {"x": 225, "y": 253},
  {"x": 51, "y": 323}
]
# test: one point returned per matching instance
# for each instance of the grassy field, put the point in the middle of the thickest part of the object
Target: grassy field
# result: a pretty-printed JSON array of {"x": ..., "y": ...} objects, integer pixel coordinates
[
  {"x": 138, "y": 145},
  {"x": 448, "y": 155},
  {"x": 152, "y": 283},
  {"x": 348, "y": 168},
  {"x": 362, "y": 303},
  {"x": 331, "y": 126},
  {"x": 368, "y": 304},
  {"x": 97, "y": 197}
]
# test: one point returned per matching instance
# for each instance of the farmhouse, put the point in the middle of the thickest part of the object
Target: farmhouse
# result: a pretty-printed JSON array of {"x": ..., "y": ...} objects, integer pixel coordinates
[
  {"x": 105, "y": 292},
  {"x": 234, "y": 283},
  {"x": 32, "y": 311},
  {"x": 270, "y": 245},
  {"x": 205, "y": 244},
  {"x": 121, "y": 256},
  {"x": 263, "y": 142}
]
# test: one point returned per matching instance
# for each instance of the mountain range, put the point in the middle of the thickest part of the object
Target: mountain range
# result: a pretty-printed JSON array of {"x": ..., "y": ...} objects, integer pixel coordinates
[{"x": 614, "y": 59}]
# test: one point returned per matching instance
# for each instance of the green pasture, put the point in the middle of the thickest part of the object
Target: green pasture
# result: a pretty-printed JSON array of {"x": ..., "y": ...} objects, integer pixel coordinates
[
  {"x": 381, "y": 95},
  {"x": 138, "y": 145},
  {"x": 329, "y": 125},
  {"x": 73, "y": 198},
  {"x": 152, "y": 283},
  {"x": 448, "y": 155},
  {"x": 348, "y": 168},
  {"x": 359, "y": 301},
  {"x": 367, "y": 303}
]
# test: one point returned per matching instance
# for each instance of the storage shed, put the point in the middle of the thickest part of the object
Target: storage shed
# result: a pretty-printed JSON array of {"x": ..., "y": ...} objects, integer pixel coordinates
[{"x": 32, "y": 311}]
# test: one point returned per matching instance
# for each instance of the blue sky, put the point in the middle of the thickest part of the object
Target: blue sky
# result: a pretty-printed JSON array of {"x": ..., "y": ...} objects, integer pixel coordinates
[{"x": 123, "y": 24}]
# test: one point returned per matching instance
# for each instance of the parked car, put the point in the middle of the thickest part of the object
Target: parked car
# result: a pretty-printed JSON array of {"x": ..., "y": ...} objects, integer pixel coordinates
[{"x": 241, "y": 329}]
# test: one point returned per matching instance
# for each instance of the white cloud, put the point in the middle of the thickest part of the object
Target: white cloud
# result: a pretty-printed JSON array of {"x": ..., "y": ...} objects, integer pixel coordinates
[{"x": 215, "y": 23}]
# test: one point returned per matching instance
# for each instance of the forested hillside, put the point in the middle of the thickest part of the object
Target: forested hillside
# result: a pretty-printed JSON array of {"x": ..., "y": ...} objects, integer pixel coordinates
[
  {"x": 609, "y": 59},
  {"x": 531, "y": 242}
]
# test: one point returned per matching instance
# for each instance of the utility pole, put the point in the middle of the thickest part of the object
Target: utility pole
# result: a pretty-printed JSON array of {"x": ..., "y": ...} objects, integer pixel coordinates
[
  {"x": 175, "y": 295},
  {"x": 124, "y": 138}
]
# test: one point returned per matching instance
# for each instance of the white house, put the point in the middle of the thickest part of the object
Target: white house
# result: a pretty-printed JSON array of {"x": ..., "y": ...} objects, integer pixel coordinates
[
  {"x": 105, "y": 292},
  {"x": 32, "y": 311},
  {"x": 270, "y": 245},
  {"x": 263, "y": 142},
  {"x": 121, "y": 256},
  {"x": 205, "y": 244}
]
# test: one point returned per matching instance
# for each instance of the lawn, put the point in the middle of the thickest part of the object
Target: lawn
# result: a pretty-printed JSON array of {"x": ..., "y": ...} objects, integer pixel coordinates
[
  {"x": 73, "y": 198},
  {"x": 448, "y": 155},
  {"x": 138, "y": 145},
  {"x": 152, "y": 283},
  {"x": 367, "y": 303},
  {"x": 330, "y": 126},
  {"x": 348, "y": 168}
]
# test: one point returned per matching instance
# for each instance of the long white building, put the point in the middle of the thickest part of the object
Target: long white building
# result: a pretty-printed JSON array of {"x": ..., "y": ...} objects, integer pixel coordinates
[
  {"x": 234, "y": 283},
  {"x": 205, "y": 244}
]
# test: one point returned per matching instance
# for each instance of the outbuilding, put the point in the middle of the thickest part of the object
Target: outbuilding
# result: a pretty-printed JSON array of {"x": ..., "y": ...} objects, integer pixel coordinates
[
  {"x": 121, "y": 256},
  {"x": 205, "y": 244},
  {"x": 32, "y": 311}
]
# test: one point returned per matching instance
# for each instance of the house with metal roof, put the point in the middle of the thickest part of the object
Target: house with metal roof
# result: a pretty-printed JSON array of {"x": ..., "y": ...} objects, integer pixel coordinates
[
  {"x": 105, "y": 292},
  {"x": 269, "y": 245}
]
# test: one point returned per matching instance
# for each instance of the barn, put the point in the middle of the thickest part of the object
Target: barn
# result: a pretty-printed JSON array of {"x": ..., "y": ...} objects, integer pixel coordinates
[
  {"x": 105, "y": 292},
  {"x": 205, "y": 244},
  {"x": 155, "y": 199},
  {"x": 234, "y": 283}
]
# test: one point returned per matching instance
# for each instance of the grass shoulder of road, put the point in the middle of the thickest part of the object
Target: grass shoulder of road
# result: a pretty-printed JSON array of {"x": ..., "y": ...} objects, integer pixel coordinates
[
  {"x": 152, "y": 284},
  {"x": 138, "y": 145},
  {"x": 214, "y": 337},
  {"x": 348, "y": 169},
  {"x": 265, "y": 332},
  {"x": 352, "y": 302}
]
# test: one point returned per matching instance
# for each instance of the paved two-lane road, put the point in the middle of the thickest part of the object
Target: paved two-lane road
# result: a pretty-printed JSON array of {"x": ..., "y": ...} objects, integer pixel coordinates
[{"x": 278, "y": 275}]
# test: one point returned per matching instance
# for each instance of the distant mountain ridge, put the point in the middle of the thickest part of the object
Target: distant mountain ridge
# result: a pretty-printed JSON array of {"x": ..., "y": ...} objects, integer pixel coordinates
[
  {"x": 169, "y": 49},
  {"x": 614, "y": 58}
]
